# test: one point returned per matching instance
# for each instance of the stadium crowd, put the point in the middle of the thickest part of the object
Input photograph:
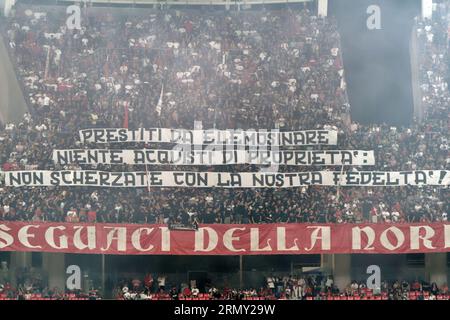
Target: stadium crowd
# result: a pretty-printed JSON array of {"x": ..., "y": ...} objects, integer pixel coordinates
[
  {"x": 169, "y": 68},
  {"x": 287, "y": 287}
]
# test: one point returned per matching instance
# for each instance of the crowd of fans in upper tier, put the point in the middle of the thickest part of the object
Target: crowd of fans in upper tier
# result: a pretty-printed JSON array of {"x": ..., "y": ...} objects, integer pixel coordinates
[{"x": 168, "y": 68}]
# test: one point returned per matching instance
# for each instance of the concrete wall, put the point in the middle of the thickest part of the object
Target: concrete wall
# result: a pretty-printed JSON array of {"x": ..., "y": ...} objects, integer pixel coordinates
[
  {"x": 54, "y": 265},
  {"x": 392, "y": 267},
  {"x": 18, "y": 260},
  {"x": 342, "y": 270},
  {"x": 436, "y": 268}
]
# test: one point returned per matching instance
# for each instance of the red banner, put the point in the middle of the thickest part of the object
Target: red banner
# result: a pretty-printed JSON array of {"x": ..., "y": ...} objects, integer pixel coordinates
[{"x": 224, "y": 239}]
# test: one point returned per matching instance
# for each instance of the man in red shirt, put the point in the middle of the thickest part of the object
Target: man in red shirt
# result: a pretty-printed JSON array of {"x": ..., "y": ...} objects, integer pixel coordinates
[
  {"x": 415, "y": 286},
  {"x": 188, "y": 26},
  {"x": 187, "y": 292},
  {"x": 92, "y": 216},
  {"x": 7, "y": 166}
]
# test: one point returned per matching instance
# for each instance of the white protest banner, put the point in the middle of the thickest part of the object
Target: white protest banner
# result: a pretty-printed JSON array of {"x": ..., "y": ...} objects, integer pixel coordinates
[
  {"x": 214, "y": 156},
  {"x": 215, "y": 137},
  {"x": 225, "y": 179}
]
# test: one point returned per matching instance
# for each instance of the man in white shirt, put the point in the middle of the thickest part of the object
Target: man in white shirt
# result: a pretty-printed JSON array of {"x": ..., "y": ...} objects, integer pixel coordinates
[
  {"x": 395, "y": 216},
  {"x": 329, "y": 283},
  {"x": 195, "y": 292},
  {"x": 386, "y": 215},
  {"x": 271, "y": 283}
]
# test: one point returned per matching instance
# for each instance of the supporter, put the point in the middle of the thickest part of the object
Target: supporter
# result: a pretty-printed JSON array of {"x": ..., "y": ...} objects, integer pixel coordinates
[
  {"x": 329, "y": 284},
  {"x": 174, "y": 293},
  {"x": 416, "y": 286},
  {"x": 148, "y": 282},
  {"x": 399, "y": 290},
  {"x": 227, "y": 71},
  {"x": 271, "y": 283},
  {"x": 186, "y": 291},
  {"x": 195, "y": 292},
  {"x": 126, "y": 294},
  {"x": 434, "y": 288},
  {"x": 162, "y": 283}
]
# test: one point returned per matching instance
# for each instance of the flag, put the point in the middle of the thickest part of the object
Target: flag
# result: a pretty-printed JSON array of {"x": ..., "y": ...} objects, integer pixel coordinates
[
  {"x": 339, "y": 184},
  {"x": 159, "y": 105},
  {"x": 148, "y": 181}
]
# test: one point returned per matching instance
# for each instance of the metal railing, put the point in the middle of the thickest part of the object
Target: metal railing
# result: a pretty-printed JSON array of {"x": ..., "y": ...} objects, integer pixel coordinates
[{"x": 189, "y": 2}]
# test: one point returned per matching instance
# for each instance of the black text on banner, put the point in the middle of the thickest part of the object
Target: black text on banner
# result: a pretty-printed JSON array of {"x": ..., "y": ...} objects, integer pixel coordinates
[
  {"x": 215, "y": 137},
  {"x": 214, "y": 157}
]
